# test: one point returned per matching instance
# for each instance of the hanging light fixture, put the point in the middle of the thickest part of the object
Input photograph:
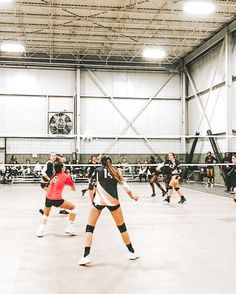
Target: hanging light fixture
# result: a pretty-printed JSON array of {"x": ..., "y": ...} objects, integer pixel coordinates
[
  {"x": 199, "y": 7},
  {"x": 154, "y": 53},
  {"x": 12, "y": 46}
]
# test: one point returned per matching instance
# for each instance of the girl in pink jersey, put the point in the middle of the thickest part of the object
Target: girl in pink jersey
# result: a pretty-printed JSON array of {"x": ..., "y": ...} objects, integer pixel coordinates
[{"x": 54, "y": 198}]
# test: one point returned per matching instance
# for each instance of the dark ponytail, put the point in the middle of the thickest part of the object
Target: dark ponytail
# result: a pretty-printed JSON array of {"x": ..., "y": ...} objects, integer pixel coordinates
[
  {"x": 106, "y": 162},
  {"x": 58, "y": 166}
]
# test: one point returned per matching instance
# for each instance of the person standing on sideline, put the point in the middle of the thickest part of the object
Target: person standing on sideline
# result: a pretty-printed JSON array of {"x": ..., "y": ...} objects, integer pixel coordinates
[{"x": 210, "y": 169}]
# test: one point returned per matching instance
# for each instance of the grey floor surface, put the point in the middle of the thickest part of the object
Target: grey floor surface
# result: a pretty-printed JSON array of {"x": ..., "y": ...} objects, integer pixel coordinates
[{"x": 184, "y": 249}]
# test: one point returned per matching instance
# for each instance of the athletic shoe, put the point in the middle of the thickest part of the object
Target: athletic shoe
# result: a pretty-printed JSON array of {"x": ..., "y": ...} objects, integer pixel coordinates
[
  {"x": 164, "y": 193},
  {"x": 84, "y": 191},
  {"x": 84, "y": 260},
  {"x": 182, "y": 200},
  {"x": 63, "y": 212},
  {"x": 167, "y": 199},
  {"x": 132, "y": 256},
  {"x": 41, "y": 211},
  {"x": 153, "y": 195},
  {"x": 39, "y": 233},
  {"x": 71, "y": 231}
]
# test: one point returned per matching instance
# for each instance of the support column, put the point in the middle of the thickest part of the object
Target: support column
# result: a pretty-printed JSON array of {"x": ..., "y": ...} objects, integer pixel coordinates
[
  {"x": 228, "y": 89},
  {"x": 77, "y": 112},
  {"x": 183, "y": 100}
]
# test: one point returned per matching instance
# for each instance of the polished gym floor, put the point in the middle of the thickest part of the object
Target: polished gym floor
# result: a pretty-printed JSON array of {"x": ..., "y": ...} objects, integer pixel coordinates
[{"x": 184, "y": 249}]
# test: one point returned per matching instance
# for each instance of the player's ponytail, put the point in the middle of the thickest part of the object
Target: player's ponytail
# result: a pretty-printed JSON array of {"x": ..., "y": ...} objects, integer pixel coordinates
[
  {"x": 58, "y": 166},
  {"x": 106, "y": 162}
]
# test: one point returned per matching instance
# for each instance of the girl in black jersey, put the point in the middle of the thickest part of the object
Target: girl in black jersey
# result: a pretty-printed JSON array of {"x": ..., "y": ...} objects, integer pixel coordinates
[
  {"x": 232, "y": 175},
  {"x": 173, "y": 165},
  {"x": 153, "y": 175},
  {"x": 90, "y": 170},
  {"x": 210, "y": 169},
  {"x": 107, "y": 177}
]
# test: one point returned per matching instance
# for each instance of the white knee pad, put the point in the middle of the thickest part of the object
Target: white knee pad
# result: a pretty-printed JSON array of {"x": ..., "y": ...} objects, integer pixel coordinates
[{"x": 44, "y": 217}]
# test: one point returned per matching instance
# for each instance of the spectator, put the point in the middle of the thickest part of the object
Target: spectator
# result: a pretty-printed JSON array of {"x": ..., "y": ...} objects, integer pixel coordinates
[
  {"x": 125, "y": 167},
  {"x": 37, "y": 169},
  {"x": 143, "y": 171}
]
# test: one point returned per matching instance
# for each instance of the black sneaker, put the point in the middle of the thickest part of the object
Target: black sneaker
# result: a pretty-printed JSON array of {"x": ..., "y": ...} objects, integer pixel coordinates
[
  {"x": 153, "y": 195},
  {"x": 63, "y": 212},
  {"x": 164, "y": 193},
  {"x": 41, "y": 211},
  {"x": 182, "y": 200},
  {"x": 84, "y": 191},
  {"x": 167, "y": 199}
]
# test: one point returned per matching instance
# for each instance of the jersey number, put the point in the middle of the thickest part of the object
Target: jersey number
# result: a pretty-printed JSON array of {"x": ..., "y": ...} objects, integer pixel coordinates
[{"x": 106, "y": 174}]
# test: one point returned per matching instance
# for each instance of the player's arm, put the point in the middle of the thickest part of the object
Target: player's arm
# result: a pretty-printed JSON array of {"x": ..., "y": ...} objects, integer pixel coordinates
[{"x": 128, "y": 190}]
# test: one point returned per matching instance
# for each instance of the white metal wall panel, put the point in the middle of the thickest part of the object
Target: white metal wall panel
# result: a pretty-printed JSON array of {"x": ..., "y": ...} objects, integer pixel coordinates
[
  {"x": 234, "y": 57},
  {"x": 36, "y": 82},
  {"x": 202, "y": 71},
  {"x": 130, "y": 146},
  {"x": 130, "y": 84},
  {"x": 215, "y": 110},
  {"x": 234, "y": 105},
  {"x": 23, "y": 115},
  {"x": 159, "y": 118},
  {"x": 60, "y": 104},
  {"x": 39, "y": 146}
]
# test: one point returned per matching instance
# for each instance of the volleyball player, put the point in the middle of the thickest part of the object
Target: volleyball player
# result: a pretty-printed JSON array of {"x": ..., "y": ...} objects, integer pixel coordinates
[
  {"x": 90, "y": 170},
  {"x": 107, "y": 177},
  {"x": 153, "y": 176},
  {"x": 54, "y": 198},
  {"x": 173, "y": 164},
  {"x": 232, "y": 175},
  {"x": 47, "y": 173},
  {"x": 210, "y": 169}
]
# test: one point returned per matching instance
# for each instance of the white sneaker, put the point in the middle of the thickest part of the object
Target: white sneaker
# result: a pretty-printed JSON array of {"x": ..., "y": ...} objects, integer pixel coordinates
[
  {"x": 132, "y": 256},
  {"x": 84, "y": 260},
  {"x": 40, "y": 231},
  {"x": 71, "y": 231},
  {"x": 39, "y": 234}
]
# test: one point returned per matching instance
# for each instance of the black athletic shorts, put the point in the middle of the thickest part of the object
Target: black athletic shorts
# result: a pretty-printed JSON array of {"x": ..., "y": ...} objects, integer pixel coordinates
[
  {"x": 111, "y": 208},
  {"x": 56, "y": 203}
]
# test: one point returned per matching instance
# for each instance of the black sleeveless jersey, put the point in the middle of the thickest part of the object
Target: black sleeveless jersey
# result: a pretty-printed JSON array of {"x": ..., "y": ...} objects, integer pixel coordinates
[
  {"x": 172, "y": 167},
  {"x": 106, "y": 181}
]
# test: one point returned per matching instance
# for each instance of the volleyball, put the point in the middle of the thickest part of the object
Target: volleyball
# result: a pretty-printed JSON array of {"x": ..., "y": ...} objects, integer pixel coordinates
[{"x": 87, "y": 136}]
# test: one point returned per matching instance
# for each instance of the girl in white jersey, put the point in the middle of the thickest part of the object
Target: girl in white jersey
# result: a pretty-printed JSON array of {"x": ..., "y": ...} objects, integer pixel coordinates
[{"x": 106, "y": 178}]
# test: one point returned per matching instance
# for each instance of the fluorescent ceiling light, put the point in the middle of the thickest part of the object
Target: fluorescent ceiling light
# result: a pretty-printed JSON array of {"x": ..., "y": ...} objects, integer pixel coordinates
[
  {"x": 12, "y": 46},
  {"x": 199, "y": 7},
  {"x": 4, "y": 3},
  {"x": 154, "y": 53}
]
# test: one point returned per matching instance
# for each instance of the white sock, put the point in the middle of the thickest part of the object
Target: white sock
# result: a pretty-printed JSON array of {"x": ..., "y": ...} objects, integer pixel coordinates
[{"x": 41, "y": 227}]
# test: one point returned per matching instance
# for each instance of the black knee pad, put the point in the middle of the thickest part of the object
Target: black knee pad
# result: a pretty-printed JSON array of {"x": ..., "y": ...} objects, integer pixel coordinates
[
  {"x": 152, "y": 184},
  {"x": 176, "y": 189},
  {"x": 89, "y": 229},
  {"x": 122, "y": 228},
  {"x": 169, "y": 188}
]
